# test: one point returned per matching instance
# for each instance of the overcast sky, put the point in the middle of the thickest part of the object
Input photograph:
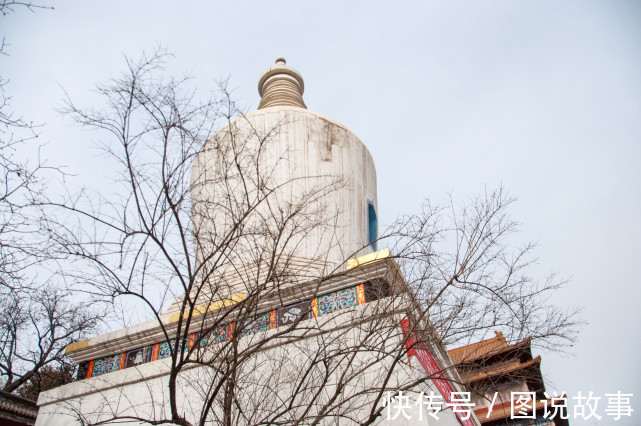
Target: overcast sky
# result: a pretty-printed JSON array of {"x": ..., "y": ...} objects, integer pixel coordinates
[{"x": 543, "y": 97}]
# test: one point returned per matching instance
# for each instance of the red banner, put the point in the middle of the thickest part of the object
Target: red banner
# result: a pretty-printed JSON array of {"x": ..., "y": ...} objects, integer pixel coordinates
[{"x": 427, "y": 361}]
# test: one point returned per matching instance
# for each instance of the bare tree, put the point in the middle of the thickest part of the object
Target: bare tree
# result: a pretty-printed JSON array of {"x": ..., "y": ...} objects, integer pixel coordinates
[
  {"x": 201, "y": 235},
  {"x": 8, "y": 7},
  {"x": 37, "y": 315},
  {"x": 35, "y": 332},
  {"x": 462, "y": 265}
]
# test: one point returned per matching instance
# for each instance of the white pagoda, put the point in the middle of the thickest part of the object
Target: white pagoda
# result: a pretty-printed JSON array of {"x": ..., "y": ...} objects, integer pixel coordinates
[{"x": 333, "y": 334}]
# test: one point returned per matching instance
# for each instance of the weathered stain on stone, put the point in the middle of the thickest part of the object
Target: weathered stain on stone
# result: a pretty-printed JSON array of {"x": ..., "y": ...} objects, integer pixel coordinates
[{"x": 324, "y": 135}]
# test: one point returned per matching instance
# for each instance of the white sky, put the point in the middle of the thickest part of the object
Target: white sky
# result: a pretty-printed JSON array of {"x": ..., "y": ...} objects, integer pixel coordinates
[{"x": 543, "y": 96}]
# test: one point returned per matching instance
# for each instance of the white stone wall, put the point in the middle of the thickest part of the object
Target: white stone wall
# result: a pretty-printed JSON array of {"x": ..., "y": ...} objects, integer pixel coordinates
[{"x": 265, "y": 380}]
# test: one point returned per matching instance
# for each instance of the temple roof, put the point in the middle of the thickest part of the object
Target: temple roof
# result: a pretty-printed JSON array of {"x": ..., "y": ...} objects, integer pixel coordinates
[
  {"x": 15, "y": 407},
  {"x": 484, "y": 364},
  {"x": 499, "y": 370},
  {"x": 484, "y": 349}
]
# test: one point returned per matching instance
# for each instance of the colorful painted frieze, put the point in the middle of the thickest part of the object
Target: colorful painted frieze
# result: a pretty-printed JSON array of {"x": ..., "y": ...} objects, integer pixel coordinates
[
  {"x": 165, "y": 348},
  {"x": 217, "y": 335},
  {"x": 337, "y": 300},
  {"x": 360, "y": 294},
  {"x": 256, "y": 324},
  {"x": 283, "y": 316},
  {"x": 106, "y": 365},
  {"x": 139, "y": 356},
  {"x": 291, "y": 313},
  {"x": 154, "y": 356},
  {"x": 273, "y": 320}
]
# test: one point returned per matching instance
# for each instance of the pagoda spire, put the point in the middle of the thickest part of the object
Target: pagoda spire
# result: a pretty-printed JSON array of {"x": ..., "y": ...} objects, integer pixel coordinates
[{"x": 281, "y": 85}]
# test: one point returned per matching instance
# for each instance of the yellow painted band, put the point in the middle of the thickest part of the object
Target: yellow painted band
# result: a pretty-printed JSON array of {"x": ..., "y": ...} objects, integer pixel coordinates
[
  {"x": 203, "y": 309},
  {"x": 368, "y": 258}
]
